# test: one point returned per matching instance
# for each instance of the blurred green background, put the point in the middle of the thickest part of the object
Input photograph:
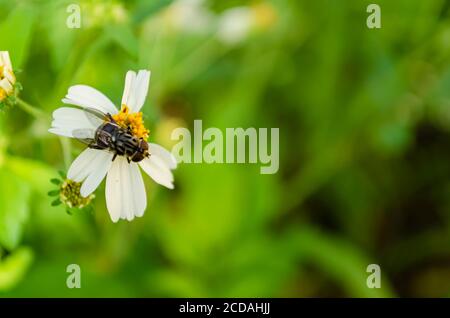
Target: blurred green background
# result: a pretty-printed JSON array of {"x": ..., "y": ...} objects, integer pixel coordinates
[{"x": 364, "y": 118}]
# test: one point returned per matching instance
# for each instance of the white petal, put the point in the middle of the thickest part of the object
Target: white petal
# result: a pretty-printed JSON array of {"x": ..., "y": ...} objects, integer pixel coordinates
[
  {"x": 129, "y": 82},
  {"x": 5, "y": 60},
  {"x": 113, "y": 191},
  {"x": 136, "y": 88},
  {"x": 169, "y": 160},
  {"x": 158, "y": 171},
  {"x": 72, "y": 130},
  {"x": 141, "y": 89},
  {"x": 139, "y": 195},
  {"x": 10, "y": 76},
  {"x": 102, "y": 165},
  {"x": 86, "y": 96},
  {"x": 61, "y": 132},
  {"x": 125, "y": 191},
  {"x": 127, "y": 202},
  {"x": 69, "y": 119},
  {"x": 6, "y": 85},
  {"x": 67, "y": 113},
  {"x": 87, "y": 163}
]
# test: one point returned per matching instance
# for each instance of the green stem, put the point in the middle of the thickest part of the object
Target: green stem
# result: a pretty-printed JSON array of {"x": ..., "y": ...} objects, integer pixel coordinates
[
  {"x": 31, "y": 110},
  {"x": 67, "y": 151}
]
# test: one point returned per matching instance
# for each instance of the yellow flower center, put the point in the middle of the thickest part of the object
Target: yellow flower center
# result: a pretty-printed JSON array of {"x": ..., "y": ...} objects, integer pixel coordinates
[
  {"x": 265, "y": 15},
  {"x": 131, "y": 121},
  {"x": 2, "y": 94}
]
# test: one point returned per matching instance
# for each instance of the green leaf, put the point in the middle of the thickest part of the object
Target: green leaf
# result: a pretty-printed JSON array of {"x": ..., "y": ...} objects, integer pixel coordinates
[
  {"x": 15, "y": 32},
  {"x": 172, "y": 283},
  {"x": 14, "y": 267},
  {"x": 35, "y": 173},
  {"x": 339, "y": 260},
  {"x": 14, "y": 208}
]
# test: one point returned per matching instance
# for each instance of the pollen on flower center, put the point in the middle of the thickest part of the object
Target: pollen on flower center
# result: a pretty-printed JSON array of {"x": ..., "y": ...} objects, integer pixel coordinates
[{"x": 132, "y": 121}]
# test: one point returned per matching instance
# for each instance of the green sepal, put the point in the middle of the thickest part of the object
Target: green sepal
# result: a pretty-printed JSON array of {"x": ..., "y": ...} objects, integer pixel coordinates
[
  {"x": 62, "y": 174},
  {"x": 55, "y": 181},
  {"x": 53, "y": 193},
  {"x": 56, "y": 202}
]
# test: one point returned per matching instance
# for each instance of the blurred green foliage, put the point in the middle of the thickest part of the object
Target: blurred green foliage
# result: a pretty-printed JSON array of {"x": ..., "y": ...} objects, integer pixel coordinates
[{"x": 364, "y": 118}]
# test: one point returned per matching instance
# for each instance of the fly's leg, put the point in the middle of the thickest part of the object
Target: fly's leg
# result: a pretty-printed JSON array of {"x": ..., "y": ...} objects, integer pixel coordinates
[
  {"x": 132, "y": 157},
  {"x": 96, "y": 146},
  {"x": 110, "y": 118},
  {"x": 114, "y": 157}
]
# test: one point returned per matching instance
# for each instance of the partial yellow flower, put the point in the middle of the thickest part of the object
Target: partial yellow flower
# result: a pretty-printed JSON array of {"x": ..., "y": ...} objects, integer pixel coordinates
[
  {"x": 7, "y": 78},
  {"x": 265, "y": 16},
  {"x": 99, "y": 14},
  {"x": 238, "y": 23}
]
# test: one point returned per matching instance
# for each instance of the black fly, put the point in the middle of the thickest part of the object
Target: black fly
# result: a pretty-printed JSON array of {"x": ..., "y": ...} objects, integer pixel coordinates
[{"x": 112, "y": 137}]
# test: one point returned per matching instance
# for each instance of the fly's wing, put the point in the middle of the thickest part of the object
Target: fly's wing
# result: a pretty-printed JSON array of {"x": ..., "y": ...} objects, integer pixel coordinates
[
  {"x": 85, "y": 135},
  {"x": 96, "y": 117},
  {"x": 91, "y": 136}
]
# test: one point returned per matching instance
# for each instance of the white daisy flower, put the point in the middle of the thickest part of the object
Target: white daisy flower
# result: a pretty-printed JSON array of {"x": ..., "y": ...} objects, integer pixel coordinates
[
  {"x": 235, "y": 25},
  {"x": 188, "y": 16},
  {"x": 125, "y": 191},
  {"x": 7, "y": 78}
]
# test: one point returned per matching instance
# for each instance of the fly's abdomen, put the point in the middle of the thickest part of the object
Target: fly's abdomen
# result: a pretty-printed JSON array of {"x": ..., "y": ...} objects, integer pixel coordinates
[{"x": 126, "y": 144}]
